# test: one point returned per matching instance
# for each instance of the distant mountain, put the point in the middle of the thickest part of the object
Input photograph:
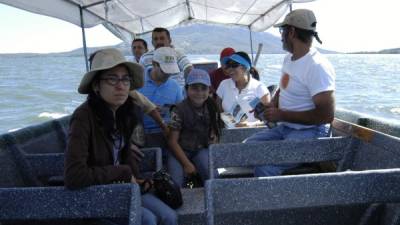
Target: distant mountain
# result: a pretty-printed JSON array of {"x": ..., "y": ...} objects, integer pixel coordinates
[
  {"x": 206, "y": 39},
  {"x": 390, "y": 51},
  {"x": 384, "y": 51}
]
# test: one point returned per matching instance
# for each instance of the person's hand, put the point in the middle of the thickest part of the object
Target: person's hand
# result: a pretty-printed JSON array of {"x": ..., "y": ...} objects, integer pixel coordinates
[
  {"x": 137, "y": 154},
  {"x": 272, "y": 114},
  {"x": 133, "y": 180},
  {"x": 189, "y": 169},
  {"x": 145, "y": 185},
  {"x": 165, "y": 130},
  {"x": 213, "y": 138}
]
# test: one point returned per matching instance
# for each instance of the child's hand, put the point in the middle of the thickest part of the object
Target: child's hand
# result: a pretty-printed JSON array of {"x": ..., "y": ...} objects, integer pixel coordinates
[
  {"x": 165, "y": 130},
  {"x": 133, "y": 180},
  {"x": 213, "y": 139},
  {"x": 189, "y": 169}
]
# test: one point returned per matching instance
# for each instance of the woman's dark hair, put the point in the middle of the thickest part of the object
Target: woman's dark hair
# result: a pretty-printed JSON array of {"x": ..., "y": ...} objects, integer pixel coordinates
[
  {"x": 245, "y": 56},
  {"x": 253, "y": 71},
  {"x": 161, "y": 29},
  {"x": 140, "y": 40},
  {"x": 216, "y": 123},
  {"x": 126, "y": 118}
]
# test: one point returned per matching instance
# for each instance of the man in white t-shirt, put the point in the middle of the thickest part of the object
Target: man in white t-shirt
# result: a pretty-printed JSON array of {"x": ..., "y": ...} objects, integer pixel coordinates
[
  {"x": 160, "y": 37},
  {"x": 305, "y": 102}
]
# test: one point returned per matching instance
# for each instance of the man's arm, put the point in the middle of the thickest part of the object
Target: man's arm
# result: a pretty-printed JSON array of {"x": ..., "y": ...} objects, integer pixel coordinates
[
  {"x": 187, "y": 71},
  {"x": 323, "y": 112},
  {"x": 275, "y": 99},
  {"x": 155, "y": 115},
  {"x": 142, "y": 101},
  {"x": 184, "y": 63},
  {"x": 149, "y": 108}
]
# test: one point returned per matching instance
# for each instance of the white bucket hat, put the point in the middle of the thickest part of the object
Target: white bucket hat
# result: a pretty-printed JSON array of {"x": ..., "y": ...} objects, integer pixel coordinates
[{"x": 106, "y": 59}]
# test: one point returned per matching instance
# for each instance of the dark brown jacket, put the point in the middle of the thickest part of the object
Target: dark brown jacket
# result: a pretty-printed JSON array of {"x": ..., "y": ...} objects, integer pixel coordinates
[{"x": 88, "y": 159}]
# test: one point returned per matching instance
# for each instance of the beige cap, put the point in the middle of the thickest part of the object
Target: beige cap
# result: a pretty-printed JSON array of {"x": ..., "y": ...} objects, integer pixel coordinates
[
  {"x": 166, "y": 57},
  {"x": 106, "y": 59},
  {"x": 300, "y": 18}
]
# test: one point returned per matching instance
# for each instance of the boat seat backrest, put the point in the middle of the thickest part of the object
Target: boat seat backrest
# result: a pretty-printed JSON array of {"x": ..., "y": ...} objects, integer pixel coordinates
[
  {"x": 330, "y": 198},
  {"x": 10, "y": 175},
  {"x": 370, "y": 149},
  {"x": 51, "y": 203},
  {"x": 37, "y": 169},
  {"x": 48, "y": 137},
  {"x": 238, "y": 135},
  {"x": 277, "y": 152},
  {"x": 207, "y": 66}
]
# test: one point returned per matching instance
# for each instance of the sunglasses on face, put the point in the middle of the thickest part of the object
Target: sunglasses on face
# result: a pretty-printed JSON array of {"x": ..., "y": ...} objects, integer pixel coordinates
[
  {"x": 232, "y": 64},
  {"x": 113, "y": 80},
  {"x": 283, "y": 29}
]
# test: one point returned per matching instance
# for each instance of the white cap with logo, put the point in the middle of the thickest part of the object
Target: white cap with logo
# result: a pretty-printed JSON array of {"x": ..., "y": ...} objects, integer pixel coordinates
[
  {"x": 166, "y": 57},
  {"x": 300, "y": 18}
]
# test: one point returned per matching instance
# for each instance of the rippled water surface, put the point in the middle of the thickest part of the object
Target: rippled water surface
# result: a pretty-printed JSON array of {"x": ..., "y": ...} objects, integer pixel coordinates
[{"x": 36, "y": 89}]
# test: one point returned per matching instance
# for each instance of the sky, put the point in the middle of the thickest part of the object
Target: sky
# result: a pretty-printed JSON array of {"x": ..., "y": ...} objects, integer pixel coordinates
[{"x": 343, "y": 26}]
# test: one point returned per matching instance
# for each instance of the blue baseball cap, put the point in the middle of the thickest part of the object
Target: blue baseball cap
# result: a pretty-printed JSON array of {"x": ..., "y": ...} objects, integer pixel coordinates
[
  {"x": 198, "y": 76},
  {"x": 239, "y": 59}
]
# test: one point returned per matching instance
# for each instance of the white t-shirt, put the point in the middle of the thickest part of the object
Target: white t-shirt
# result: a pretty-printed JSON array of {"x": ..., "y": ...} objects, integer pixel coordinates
[
  {"x": 301, "y": 80},
  {"x": 230, "y": 96}
]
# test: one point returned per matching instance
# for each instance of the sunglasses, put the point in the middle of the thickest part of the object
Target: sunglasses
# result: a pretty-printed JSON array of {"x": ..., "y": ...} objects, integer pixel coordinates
[{"x": 232, "y": 64}]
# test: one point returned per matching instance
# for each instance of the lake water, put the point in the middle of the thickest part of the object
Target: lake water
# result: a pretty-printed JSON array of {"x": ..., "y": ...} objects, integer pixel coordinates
[{"x": 37, "y": 89}]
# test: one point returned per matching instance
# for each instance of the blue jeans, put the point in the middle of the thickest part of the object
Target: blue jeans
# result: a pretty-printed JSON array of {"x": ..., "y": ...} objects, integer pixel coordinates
[
  {"x": 282, "y": 132},
  {"x": 200, "y": 160},
  {"x": 156, "y": 212}
]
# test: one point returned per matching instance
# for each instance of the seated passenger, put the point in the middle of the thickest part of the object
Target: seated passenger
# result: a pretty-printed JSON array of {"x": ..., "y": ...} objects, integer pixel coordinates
[
  {"x": 138, "y": 47},
  {"x": 99, "y": 150},
  {"x": 195, "y": 124},
  {"x": 160, "y": 37},
  {"x": 305, "y": 102},
  {"x": 163, "y": 91},
  {"x": 241, "y": 88},
  {"x": 221, "y": 73}
]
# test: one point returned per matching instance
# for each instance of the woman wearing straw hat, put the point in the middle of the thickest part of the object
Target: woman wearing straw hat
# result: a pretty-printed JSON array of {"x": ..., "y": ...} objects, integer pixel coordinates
[{"x": 99, "y": 150}]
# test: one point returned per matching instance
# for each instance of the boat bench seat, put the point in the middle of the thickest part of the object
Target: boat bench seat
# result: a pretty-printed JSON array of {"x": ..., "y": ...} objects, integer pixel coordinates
[
  {"x": 57, "y": 203},
  {"x": 249, "y": 155},
  {"x": 370, "y": 149},
  {"x": 48, "y": 137},
  {"x": 192, "y": 212},
  {"x": 238, "y": 135},
  {"x": 48, "y": 168},
  {"x": 358, "y": 154},
  {"x": 328, "y": 199}
]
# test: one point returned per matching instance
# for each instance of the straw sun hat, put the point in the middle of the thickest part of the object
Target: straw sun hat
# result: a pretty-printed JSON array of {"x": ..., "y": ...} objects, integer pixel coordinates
[{"x": 106, "y": 59}]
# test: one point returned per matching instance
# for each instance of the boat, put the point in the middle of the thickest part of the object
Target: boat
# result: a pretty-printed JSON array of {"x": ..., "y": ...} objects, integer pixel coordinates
[{"x": 349, "y": 178}]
